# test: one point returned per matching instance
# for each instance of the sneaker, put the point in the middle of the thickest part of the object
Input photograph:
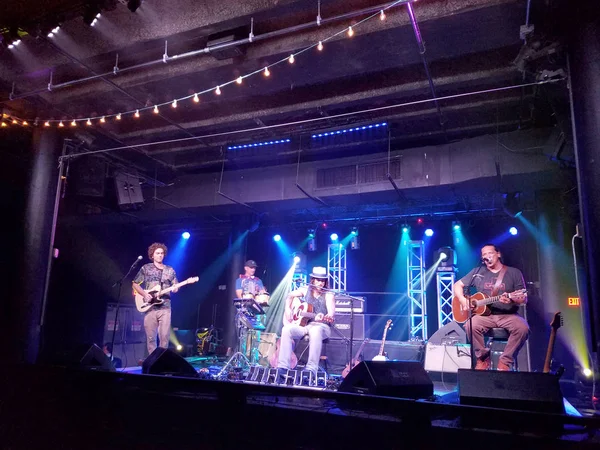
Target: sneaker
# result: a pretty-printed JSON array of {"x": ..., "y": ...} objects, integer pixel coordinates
[
  {"x": 503, "y": 367},
  {"x": 483, "y": 364}
]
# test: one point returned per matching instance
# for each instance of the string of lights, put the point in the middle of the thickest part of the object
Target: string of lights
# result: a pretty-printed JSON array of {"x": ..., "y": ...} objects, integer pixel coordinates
[{"x": 195, "y": 97}]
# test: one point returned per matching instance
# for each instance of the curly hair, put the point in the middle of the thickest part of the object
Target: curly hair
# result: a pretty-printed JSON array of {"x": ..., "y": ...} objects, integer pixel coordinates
[{"x": 153, "y": 248}]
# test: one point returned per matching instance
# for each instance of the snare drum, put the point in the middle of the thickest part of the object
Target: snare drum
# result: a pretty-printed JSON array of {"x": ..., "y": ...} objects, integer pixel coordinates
[{"x": 262, "y": 299}]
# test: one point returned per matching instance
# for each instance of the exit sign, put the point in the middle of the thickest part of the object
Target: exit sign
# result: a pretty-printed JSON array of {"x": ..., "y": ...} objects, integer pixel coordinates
[{"x": 573, "y": 301}]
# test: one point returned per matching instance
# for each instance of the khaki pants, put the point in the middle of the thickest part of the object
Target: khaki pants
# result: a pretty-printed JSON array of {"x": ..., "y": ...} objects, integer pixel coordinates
[
  {"x": 157, "y": 321},
  {"x": 516, "y": 326}
]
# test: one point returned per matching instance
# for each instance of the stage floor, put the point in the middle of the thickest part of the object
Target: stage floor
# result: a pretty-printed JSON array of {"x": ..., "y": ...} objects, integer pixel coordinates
[{"x": 445, "y": 391}]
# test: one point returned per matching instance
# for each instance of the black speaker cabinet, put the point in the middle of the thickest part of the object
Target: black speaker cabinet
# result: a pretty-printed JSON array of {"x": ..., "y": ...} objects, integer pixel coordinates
[
  {"x": 95, "y": 359},
  {"x": 402, "y": 379},
  {"x": 164, "y": 361},
  {"x": 526, "y": 391}
]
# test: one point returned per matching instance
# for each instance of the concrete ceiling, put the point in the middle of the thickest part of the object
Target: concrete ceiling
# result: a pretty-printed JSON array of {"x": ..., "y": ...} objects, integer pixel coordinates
[{"x": 470, "y": 45}]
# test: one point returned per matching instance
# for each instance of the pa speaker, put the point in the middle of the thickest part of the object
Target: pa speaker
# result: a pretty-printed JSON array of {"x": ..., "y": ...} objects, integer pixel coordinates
[
  {"x": 95, "y": 359},
  {"x": 402, "y": 379},
  {"x": 163, "y": 361},
  {"x": 526, "y": 391}
]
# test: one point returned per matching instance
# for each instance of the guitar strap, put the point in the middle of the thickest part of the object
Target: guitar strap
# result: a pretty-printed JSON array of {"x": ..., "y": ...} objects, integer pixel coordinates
[{"x": 498, "y": 281}]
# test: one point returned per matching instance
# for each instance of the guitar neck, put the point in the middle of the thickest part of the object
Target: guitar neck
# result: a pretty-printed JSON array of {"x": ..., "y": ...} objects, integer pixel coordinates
[
  {"x": 549, "y": 351},
  {"x": 175, "y": 286},
  {"x": 382, "y": 342}
]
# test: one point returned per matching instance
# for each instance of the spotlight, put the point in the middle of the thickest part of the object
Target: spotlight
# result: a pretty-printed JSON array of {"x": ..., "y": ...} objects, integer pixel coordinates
[
  {"x": 405, "y": 228},
  {"x": 420, "y": 221},
  {"x": 513, "y": 231},
  {"x": 311, "y": 233},
  {"x": 354, "y": 241},
  {"x": 443, "y": 256},
  {"x": 334, "y": 237},
  {"x": 185, "y": 235},
  {"x": 312, "y": 243},
  {"x": 428, "y": 232},
  {"x": 133, "y": 5},
  {"x": 354, "y": 231},
  {"x": 296, "y": 259},
  {"x": 90, "y": 13},
  {"x": 587, "y": 372},
  {"x": 456, "y": 225},
  {"x": 277, "y": 238},
  {"x": 179, "y": 347},
  {"x": 446, "y": 257}
]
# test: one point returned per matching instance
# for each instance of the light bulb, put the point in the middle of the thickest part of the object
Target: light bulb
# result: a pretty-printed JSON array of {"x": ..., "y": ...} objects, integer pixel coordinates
[
  {"x": 73, "y": 124},
  {"x": 382, "y": 15},
  {"x": 291, "y": 59},
  {"x": 46, "y": 124},
  {"x": 25, "y": 123},
  {"x": 174, "y": 104},
  {"x": 218, "y": 90},
  {"x": 119, "y": 116},
  {"x": 350, "y": 32},
  {"x": 196, "y": 98},
  {"x": 89, "y": 122},
  {"x": 155, "y": 109},
  {"x": 137, "y": 114},
  {"x": 102, "y": 119},
  {"x": 14, "y": 121},
  {"x": 239, "y": 80},
  {"x": 60, "y": 124},
  {"x": 320, "y": 46},
  {"x": 267, "y": 72}
]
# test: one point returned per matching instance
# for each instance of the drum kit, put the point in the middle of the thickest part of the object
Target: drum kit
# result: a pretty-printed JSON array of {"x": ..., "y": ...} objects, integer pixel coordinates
[{"x": 254, "y": 345}]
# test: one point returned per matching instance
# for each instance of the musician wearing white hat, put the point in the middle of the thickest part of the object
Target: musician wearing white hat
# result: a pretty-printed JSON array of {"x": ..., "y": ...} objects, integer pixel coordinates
[{"x": 309, "y": 311}]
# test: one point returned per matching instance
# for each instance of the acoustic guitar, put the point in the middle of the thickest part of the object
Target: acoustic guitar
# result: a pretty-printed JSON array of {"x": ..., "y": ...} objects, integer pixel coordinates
[
  {"x": 355, "y": 361},
  {"x": 303, "y": 312},
  {"x": 556, "y": 323},
  {"x": 479, "y": 304},
  {"x": 381, "y": 356},
  {"x": 156, "y": 293}
]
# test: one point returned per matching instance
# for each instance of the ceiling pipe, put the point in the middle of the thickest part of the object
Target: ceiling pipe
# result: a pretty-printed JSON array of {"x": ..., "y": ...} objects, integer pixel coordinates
[{"x": 206, "y": 50}]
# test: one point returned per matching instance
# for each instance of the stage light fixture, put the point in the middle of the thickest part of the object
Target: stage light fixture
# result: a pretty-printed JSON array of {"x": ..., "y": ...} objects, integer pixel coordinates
[
  {"x": 405, "y": 228},
  {"x": 420, "y": 221},
  {"x": 312, "y": 242},
  {"x": 91, "y": 13},
  {"x": 311, "y": 233},
  {"x": 587, "y": 372},
  {"x": 179, "y": 347},
  {"x": 333, "y": 237},
  {"x": 354, "y": 231},
  {"x": 354, "y": 240},
  {"x": 512, "y": 204},
  {"x": 133, "y": 5},
  {"x": 350, "y": 130},
  {"x": 185, "y": 235},
  {"x": 446, "y": 258},
  {"x": 259, "y": 144},
  {"x": 455, "y": 225},
  {"x": 513, "y": 231},
  {"x": 428, "y": 232},
  {"x": 277, "y": 238}
]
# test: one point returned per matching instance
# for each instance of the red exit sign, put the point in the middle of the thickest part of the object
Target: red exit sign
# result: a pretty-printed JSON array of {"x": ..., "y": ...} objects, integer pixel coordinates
[{"x": 573, "y": 301}]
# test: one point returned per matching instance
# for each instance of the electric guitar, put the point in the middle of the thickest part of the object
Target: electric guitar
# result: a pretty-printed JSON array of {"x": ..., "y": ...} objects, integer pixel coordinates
[
  {"x": 381, "y": 356},
  {"x": 479, "y": 304},
  {"x": 156, "y": 293},
  {"x": 302, "y": 312},
  {"x": 355, "y": 361},
  {"x": 556, "y": 323}
]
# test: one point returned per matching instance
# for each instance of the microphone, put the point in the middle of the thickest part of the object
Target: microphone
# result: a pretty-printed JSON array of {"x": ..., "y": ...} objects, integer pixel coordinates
[
  {"x": 484, "y": 260},
  {"x": 137, "y": 260}
]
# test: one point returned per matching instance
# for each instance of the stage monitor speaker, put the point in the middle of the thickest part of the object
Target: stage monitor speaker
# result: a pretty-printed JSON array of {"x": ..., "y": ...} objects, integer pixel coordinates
[
  {"x": 95, "y": 359},
  {"x": 164, "y": 361},
  {"x": 526, "y": 391},
  {"x": 449, "y": 334},
  {"x": 401, "y": 379}
]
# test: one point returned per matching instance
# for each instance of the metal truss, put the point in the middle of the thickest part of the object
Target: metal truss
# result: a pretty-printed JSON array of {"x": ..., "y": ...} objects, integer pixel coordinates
[
  {"x": 336, "y": 266},
  {"x": 416, "y": 290},
  {"x": 445, "y": 282}
]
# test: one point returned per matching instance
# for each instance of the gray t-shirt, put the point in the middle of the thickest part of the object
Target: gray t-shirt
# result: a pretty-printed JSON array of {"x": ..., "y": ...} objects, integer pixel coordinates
[
  {"x": 485, "y": 280},
  {"x": 149, "y": 276}
]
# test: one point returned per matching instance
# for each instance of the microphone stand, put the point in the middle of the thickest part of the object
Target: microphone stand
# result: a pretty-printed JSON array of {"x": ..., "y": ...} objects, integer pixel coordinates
[
  {"x": 120, "y": 284},
  {"x": 472, "y": 348}
]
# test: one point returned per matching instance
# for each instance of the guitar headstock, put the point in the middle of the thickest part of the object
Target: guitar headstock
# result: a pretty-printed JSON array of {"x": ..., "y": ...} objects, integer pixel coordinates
[
  {"x": 557, "y": 321},
  {"x": 191, "y": 280},
  {"x": 388, "y": 324}
]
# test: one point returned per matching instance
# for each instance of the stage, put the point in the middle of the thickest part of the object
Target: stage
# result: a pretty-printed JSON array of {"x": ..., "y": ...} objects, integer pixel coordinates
[{"x": 74, "y": 408}]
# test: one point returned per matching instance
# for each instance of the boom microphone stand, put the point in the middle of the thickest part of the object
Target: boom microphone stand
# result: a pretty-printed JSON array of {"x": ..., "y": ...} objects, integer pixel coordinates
[
  {"x": 468, "y": 290},
  {"x": 120, "y": 284}
]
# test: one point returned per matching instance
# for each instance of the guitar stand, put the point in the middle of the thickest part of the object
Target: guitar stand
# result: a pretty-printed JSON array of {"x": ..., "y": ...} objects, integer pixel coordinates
[{"x": 238, "y": 358}]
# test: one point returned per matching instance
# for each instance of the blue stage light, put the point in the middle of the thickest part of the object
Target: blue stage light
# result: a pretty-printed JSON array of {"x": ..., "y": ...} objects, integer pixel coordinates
[
  {"x": 337, "y": 132},
  {"x": 277, "y": 238},
  {"x": 513, "y": 231},
  {"x": 259, "y": 144},
  {"x": 428, "y": 232},
  {"x": 334, "y": 237},
  {"x": 185, "y": 235}
]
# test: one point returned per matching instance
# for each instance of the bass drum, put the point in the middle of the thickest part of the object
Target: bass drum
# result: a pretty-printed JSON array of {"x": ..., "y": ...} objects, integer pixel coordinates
[{"x": 262, "y": 299}]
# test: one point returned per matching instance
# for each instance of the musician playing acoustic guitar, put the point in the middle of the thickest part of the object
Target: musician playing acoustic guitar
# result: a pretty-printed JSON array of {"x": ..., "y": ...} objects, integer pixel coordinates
[
  {"x": 493, "y": 279},
  {"x": 158, "y": 318},
  {"x": 317, "y": 328}
]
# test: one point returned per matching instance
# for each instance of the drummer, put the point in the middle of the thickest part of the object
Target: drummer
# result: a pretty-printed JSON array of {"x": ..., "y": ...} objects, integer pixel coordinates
[{"x": 248, "y": 285}]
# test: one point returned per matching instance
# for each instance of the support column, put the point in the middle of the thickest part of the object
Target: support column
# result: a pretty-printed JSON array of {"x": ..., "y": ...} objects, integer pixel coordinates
[
  {"x": 584, "y": 75},
  {"x": 39, "y": 215}
]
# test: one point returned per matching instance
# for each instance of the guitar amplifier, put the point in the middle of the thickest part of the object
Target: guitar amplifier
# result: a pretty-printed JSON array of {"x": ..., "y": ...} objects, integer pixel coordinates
[
  {"x": 342, "y": 324},
  {"x": 343, "y": 302}
]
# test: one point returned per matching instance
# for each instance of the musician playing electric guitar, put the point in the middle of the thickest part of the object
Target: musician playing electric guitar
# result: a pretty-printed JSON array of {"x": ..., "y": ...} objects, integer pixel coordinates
[
  {"x": 158, "y": 318},
  {"x": 317, "y": 311},
  {"x": 493, "y": 279}
]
